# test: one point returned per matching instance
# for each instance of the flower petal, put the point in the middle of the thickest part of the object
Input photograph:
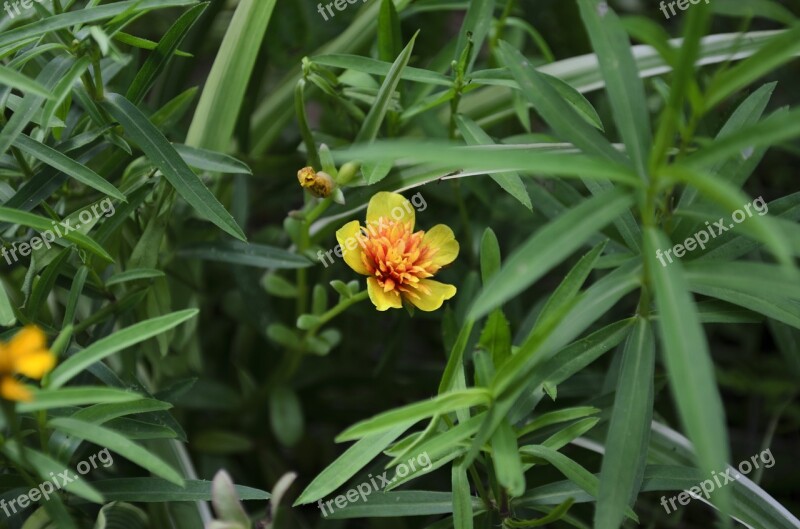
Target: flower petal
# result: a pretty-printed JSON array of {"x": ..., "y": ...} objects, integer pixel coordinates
[
  {"x": 383, "y": 300},
  {"x": 11, "y": 389},
  {"x": 350, "y": 234},
  {"x": 29, "y": 340},
  {"x": 443, "y": 242},
  {"x": 437, "y": 294},
  {"x": 392, "y": 206},
  {"x": 35, "y": 365}
]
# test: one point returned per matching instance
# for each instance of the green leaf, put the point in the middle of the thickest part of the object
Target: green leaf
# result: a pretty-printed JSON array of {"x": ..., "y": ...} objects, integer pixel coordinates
[
  {"x": 496, "y": 337},
  {"x": 623, "y": 86},
  {"x": 43, "y": 224},
  {"x": 46, "y": 467},
  {"x": 462, "y": 498},
  {"x": 348, "y": 464},
  {"x": 510, "y": 182},
  {"x": 118, "y": 444},
  {"x": 401, "y": 503},
  {"x": 220, "y": 104},
  {"x": 30, "y": 105},
  {"x": 85, "y": 16},
  {"x": 545, "y": 160},
  {"x": 164, "y": 156},
  {"x": 286, "y": 415},
  {"x": 211, "y": 161},
  {"x": 155, "y": 490},
  {"x": 163, "y": 52},
  {"x": 555, "y": 417},
  {"x": 688, "y": 361},
  {"x": 247, "y": 254},
  {"x": 67, "y": 165},
  {"x": 412, "y": 413},
  {"x": 121, "y": 516},
  {"x": 48, "y": 399},
  {"x": 64, "y": 87},
  {"x": 777, "y": 128},
  {"x": 475, "y": 27},
  {"x": 564, "y": 120},
  {"x": 372, "y": 123},
  {"x": 118, "y": 341},
  {"x": 14, "y": 79},
  {"x": 390, "y": 37},
  {"x": 7, "y": 316},
  {"x": 572, "y": 470},
  {"x": 548, "y": 247},
  {"x": 507, "y": 463},
  {"x": 732, "y": 199},
  {"x": 382, "y": 68},
  {"x": 746, "y": 114},
  {"x": 629, "y": 430},
  {"x": 781, "y": 49},
  {"x": 564, "y": 295},
  {"x": 133, "y": 275}
]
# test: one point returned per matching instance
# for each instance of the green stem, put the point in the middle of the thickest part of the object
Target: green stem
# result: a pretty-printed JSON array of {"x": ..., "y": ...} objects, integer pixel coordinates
[{"x": 335, "y": 311}]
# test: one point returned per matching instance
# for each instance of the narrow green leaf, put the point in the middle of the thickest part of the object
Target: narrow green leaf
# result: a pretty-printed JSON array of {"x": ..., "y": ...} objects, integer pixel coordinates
[
  {"x": 781, "y": 49},
  {"x": 462, "y": 499},
  {"x": 564, "y": 120},
  {"x": 629, "y": 431},
  {"x": 625, "y": 89},
  {"x": 46, "y": 467},
  {"x": 247, "y": 254},
  {"x": 390, "y": 38},
  {"x": 211, "y": 161},
  {"x": 348, "y": 464},
  {"x": 412, "y": 413},
  {"x": 85, "y": 16},
  {"x": 510, "y": 182},
  {"x": 507, "y": 463},
  {"x": 118, "y": 444},
  {"x": 220, "y": 104},
  {"x": 372, "y": 123},
  {"x": 688, "y": 361},
  {"x": 133, "y": 275},
  {"x": 475, "y": 27},
  {"x": 43, "y": 224},
  {"x": 118, "y": 341},
  {"x": 158, "y": 60},
  {"x": 155, "y": 490},
  {"x": 14, "y": 79},
  {"x": 67, "y": 165},
  {"x": 548, "y": 247},
  {"x": 164, "y": 156},
  {"x": 47, "y": 399}
]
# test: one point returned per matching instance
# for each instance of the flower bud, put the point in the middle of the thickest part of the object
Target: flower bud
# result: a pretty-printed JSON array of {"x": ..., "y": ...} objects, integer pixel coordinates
[{"x": 319, "y": 183}]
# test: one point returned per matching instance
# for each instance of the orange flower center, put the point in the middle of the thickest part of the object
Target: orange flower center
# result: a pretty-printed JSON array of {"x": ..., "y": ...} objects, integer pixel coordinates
[{"x": 396, "y": 257}]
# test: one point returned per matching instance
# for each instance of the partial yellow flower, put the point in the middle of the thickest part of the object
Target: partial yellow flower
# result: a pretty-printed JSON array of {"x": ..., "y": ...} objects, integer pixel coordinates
[
  {"x": 398, "y": 261},
  {"x": 26, "y": 354}
]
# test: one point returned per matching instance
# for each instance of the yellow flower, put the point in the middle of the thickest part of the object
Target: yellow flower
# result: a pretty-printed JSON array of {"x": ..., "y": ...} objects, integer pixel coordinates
[
  {"x": 26, "y": 354},
  {"x": 398, "y": 261}
]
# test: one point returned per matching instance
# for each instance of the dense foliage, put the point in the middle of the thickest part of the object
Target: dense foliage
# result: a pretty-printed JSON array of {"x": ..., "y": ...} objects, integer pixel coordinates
[{"x": 399, "y": 264}]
